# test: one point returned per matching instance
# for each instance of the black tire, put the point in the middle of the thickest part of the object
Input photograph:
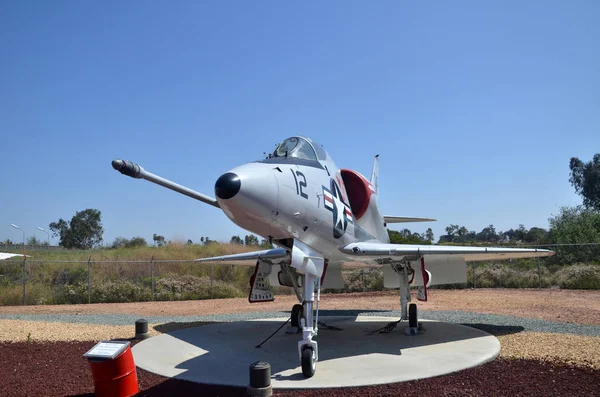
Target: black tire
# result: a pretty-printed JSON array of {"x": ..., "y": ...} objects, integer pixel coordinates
[
  {"x": 296, "y": 315},
  {"x": 309, "y": 364},
  {"x": 413, "y": 320}
]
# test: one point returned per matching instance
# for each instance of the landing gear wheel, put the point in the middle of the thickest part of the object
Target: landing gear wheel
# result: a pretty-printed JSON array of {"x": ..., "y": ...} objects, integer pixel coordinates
[
  {"x": 296, "y": 315},
  {"x": 412, "y": 315},
  {"x": 309, "y": 363}
]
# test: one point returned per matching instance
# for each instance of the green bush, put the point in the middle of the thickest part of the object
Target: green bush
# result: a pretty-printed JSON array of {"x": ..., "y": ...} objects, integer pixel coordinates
[
  {"x": 114, "y": 291},
  {"x": 120, "y": 291},
  {"x": 579, "y": 277},
  {"x": 502, "y": 276},
  {"x": 35, "y": 294},
  {"x": 353, "y": 280},
  {"x": 187, "y": 287},
  {"x": 11, "y": 295}
]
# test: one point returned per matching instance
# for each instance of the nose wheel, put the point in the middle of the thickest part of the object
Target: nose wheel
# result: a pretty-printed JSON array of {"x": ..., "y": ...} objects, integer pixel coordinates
[{"x": 309, "y": 361}]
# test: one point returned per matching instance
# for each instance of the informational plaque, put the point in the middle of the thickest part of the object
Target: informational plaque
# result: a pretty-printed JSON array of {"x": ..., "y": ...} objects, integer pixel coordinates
[{"x": 107, "y": 350}]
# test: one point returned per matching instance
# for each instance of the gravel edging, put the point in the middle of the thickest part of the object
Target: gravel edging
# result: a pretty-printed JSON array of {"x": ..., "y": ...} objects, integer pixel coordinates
[{"x": 483, "y": 321}]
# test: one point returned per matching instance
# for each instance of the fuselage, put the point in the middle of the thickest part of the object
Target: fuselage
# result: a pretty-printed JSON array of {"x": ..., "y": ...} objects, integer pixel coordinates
[{"x": 297, "y": 194}]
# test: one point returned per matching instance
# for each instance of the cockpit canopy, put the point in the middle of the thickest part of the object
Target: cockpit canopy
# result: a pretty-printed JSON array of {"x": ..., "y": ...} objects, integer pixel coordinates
[{"x": 299, "y": 147}]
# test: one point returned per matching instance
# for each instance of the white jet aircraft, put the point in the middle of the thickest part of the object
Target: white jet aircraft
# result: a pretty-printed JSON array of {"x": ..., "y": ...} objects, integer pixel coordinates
[
  {"x": 6, "y": 255},
  {"x": 322, "y": 219}
]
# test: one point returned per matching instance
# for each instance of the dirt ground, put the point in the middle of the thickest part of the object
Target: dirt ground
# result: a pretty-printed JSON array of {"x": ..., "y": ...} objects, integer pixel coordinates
[{"x": 582, "y": 307}]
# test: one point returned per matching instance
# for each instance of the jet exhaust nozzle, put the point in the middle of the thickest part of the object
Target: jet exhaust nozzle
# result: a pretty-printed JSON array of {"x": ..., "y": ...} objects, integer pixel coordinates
[{"x": 127, "y": 168}]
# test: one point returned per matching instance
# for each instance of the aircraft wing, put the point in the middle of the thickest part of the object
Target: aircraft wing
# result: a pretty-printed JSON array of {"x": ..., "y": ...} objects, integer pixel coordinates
[
  {"x": 5, "y": 255},
  {"x": 405, "y": 219},
  {"x": 470, "y": 254},
  {"x": 247, "y": 258}
]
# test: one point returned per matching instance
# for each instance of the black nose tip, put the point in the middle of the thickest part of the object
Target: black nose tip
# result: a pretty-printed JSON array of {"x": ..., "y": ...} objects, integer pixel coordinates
[{"x": 227, "y": 186}]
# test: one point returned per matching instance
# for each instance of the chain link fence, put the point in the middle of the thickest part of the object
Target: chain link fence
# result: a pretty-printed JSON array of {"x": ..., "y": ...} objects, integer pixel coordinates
[{"x": 30, "y": 282}]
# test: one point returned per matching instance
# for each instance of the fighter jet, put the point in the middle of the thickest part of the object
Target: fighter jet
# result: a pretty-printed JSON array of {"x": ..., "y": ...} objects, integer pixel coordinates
[{"x": 323, "y": 218}]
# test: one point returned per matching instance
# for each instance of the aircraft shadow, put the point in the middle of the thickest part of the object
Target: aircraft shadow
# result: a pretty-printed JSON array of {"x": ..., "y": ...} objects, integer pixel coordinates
[
  {"x": 497, "y": 330},
  {"x": 173, "y": 326},
  {"x": 228, "y": 351}
]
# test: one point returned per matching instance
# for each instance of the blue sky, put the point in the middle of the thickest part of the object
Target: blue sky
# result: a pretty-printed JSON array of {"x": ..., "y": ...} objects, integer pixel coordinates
[{"x": 474, "y": 107}]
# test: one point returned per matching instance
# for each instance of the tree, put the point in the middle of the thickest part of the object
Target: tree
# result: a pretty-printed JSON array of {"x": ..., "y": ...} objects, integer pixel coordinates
[
  {"x": 190, "y": 242},
  {"x": 429, "y": 235},
  {"x": 83, "y": 231},
  {"x": 33, "y": 241},
  {"x": 136, "y": 242},
  {"x": 535, "y": 234},
  {"x": 571, "y": 226},
  {"x": 159, "y": 240},
  {"x": 585, "y": 178},
  {"x": 509, "y": 234},
  {"x": 462, "y": 235},
  {"x": 452, "y": 230},
  {"x": 250, "y": 239},
  {"x": 488, "y": 234},
  {"x": 405, "y": 236},
  {"x": 119, "y": 242},
  {"x": 265, "y": 244},
  {"x": 236, "y": 240},
  {"x": 520, "y": 232},
  {"x": 201, "y": 239}
]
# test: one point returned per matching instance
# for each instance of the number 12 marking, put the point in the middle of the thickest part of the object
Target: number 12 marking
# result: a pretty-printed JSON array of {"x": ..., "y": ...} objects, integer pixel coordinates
[{"x": 301, "y": 184}]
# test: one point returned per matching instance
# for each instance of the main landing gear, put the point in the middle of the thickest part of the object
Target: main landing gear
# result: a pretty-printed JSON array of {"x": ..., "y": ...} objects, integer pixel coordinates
[
  {"x": 408, "y": 311},
  {"x": 296, "y": 316}
]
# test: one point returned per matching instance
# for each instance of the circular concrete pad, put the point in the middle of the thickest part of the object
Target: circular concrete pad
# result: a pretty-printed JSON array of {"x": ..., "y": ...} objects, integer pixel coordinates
[{"x": 222, "y": 353}]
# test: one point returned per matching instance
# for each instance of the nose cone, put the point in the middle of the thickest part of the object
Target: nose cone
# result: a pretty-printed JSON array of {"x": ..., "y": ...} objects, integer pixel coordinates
[
  {"x": 249, "y": 196},
  {"x": 227, "y": 186}
]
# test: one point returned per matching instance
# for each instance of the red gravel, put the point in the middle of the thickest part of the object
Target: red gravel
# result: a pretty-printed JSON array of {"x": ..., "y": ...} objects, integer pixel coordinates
[{"x": 59, "y": 369}]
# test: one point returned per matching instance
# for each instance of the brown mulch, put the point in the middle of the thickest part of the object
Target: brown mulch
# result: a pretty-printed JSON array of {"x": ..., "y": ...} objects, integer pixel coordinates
[{"x": 59, "y": 369}]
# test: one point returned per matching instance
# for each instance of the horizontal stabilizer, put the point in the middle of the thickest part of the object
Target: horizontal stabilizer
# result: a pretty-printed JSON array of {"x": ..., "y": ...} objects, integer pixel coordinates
[
  {"x": 405, "y": 219},
  {"x": 247, "y": 258}
]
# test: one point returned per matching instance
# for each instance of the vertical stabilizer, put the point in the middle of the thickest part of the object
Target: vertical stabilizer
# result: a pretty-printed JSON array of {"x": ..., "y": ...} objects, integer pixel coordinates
[{"x": 375, "y": 175}]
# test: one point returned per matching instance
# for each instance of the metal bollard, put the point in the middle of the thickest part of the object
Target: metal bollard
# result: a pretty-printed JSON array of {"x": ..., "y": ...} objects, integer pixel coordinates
[
  {"x": 260, "y": 380},
  {"x": 141, "y": 329}
]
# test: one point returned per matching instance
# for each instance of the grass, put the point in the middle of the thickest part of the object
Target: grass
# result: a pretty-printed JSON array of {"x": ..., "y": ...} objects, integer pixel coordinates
[
  {"x": 67, "y": 283},
  {"x": 174, "y": 251},
  {"x": 58, "y": 283}
]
